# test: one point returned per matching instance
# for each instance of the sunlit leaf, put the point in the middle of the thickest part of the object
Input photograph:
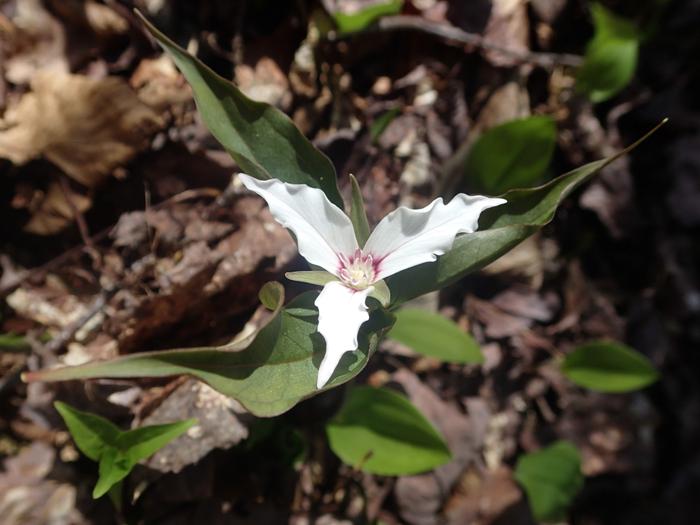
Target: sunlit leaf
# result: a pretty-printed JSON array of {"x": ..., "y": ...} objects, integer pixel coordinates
[
  {"x": 551, "y": 478},
  {"x": 263, "y": 141},
  {"x": 434, "y": 335},
  {"x": 500, "y": 229},
  {"x": 318, "y": 277},
  {"x": 611, "y": 56},
  {"x": 356, "y": 21},
  {"x": 268, "y": 373},
  {"x": 513, "y": 155},
  {"x": 116, "y": 451},
  {"x": 607, "y": 366},
  {"x": 381, "y": 432}
]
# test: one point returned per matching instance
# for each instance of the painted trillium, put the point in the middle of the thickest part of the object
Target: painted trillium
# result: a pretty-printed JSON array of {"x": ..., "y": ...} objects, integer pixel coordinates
[{"x": 325, "y": 237}]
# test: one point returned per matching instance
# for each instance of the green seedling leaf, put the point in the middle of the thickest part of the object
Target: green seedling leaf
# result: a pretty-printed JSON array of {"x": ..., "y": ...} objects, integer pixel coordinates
[
  {"x": 607, "y": 366},
  {"x": 381, "y": 432},
  {"x": 116, "y": 451},
  {"x": 113, "y": 468},
  {"x": 358, "y": 216},
  {"x": 500, "y": 229},
  {"x": 381, "y": 123},
  {"x": 91, "y": 433},
  {"x": 263, "y": 141},
  {"x": 363, "y": 17},
  {"x": 434, "y": 335},
  {"x": 513, "y": 155},
  {"x": 551, "y": 478},
  {"x": 611, "y": 55},
  {"x": 268, "y": 372}
]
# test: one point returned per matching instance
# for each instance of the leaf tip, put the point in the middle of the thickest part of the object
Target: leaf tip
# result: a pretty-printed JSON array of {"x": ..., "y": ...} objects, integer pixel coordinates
[{"x": 32, "y": 377}]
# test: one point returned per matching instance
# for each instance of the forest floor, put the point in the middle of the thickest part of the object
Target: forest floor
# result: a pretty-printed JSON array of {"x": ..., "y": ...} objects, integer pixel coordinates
[{"x": 123, "y": 230}]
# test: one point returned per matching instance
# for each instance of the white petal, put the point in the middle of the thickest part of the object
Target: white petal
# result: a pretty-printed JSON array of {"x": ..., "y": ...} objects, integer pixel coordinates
[
  {"x": 407, "y": 238},
  {"x": 322, "y": 229},
  {"x": 341, "y": 312}
]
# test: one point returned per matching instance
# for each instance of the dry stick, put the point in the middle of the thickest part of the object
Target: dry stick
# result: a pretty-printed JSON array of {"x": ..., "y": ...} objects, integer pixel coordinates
[
  {"x": 415, "y": 23},
  {"x": 80, "y": 220},
  {"x": 66, "y": 335}
]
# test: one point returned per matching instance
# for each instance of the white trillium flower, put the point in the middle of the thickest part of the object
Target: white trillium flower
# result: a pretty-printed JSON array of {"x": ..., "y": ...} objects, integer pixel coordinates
[{"x": 326, "y": 238}]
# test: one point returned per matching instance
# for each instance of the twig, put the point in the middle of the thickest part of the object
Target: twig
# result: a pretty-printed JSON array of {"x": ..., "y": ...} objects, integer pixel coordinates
[
  {"x": 80, "y": 220},
  {"x": 65, "y": 336},
  {"x": 448, "y": 32}
]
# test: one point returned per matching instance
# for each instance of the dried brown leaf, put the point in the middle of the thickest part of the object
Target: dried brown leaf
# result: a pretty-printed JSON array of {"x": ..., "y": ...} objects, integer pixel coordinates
[
  {"x": 86, "y": 126},
  {"x": 420, "y": 497},
  {"x": 26, "y": 498},
  {"x": 265, "y": 82},
  {"x": 508, "y": 27},
  {"x": 52, "y": 211},
  {"x": 159, "y": 84},
  {"x": 35, "y": 41}
]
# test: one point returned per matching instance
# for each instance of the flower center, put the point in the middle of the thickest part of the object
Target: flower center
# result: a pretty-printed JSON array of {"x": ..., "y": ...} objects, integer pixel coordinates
[{"x": 358, "y": 270}]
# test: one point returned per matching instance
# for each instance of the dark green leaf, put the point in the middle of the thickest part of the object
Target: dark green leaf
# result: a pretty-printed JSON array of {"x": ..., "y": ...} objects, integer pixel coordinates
[
  {"x": 607, "y": 366},
  {"x": 360, "y": 19},
  {"x": 551, "y": 478},
  {"x": 513, "y": 155},
  {"x": 264, "y": 141},
  {"x": 358, "y": 216},
  {"x": 500, "y": 229},
  {"x": 381, "y": 432},
  {"x": 436, "y": 336},
  {"x": 116, "y": 451},
  {"x": 611, "y": 56},
  {"x": 268, "y": 374}
]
